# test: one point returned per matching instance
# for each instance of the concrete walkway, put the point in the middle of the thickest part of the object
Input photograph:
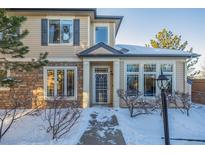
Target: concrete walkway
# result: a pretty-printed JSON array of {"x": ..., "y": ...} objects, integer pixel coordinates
[{"x": 102, "y": 131}]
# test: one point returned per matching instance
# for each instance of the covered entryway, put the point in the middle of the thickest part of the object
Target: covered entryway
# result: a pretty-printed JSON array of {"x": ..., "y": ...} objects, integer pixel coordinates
[
  {"x": 101, "y": 82},
  {"x": 101, "y": 75}
]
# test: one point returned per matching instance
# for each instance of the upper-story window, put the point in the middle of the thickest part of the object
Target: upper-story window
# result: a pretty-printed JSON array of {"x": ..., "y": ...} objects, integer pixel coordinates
[
  {"x": 101, "y": 34},
  {"x": 60, "y": 31}
]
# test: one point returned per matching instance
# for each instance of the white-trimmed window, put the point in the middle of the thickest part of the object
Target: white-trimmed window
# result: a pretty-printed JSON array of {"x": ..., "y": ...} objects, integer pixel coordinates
[
  {"x": 149, "y": 79},
  {"x": 167, "y": 70},
  {"x": 60, "y": 81},
  {"x": 60, "y": 31},
  {"x": 101, "y": 34},
  {"x": 132, "y": 77},
  {"x": 143, "y": 76}
]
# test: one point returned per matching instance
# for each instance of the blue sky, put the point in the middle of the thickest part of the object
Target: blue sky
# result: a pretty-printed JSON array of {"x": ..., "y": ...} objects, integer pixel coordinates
[{"x": 140, "y": 25}]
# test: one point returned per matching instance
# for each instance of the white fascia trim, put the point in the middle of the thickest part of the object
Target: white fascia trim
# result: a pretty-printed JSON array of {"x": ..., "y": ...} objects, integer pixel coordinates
[{"x": 45, "y": 68}]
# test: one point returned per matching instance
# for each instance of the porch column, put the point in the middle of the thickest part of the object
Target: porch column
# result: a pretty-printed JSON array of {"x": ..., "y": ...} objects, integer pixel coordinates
[
  {"x": 116, "y": 83},
  {"x": 86, "y": 84}
]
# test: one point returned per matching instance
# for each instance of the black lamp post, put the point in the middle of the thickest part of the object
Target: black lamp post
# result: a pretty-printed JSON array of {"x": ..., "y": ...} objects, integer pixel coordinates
[{"x": 162, "y": 82}]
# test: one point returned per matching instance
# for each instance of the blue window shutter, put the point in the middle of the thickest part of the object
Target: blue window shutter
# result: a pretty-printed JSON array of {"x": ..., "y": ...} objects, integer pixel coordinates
[
  {"x": 76, "y": 32},
  {"x": 44, "y": 32}
]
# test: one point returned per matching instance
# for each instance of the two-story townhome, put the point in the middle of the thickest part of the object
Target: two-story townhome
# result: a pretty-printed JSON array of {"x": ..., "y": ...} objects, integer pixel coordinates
[{"x": 85, "y": 64}]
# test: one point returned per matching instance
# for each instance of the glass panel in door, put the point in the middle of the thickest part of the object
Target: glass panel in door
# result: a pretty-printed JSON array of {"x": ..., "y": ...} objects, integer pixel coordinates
[{"x": 101, "y": 88}]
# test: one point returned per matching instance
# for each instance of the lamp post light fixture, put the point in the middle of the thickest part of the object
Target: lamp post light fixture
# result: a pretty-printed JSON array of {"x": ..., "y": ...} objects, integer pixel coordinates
[{"x": 162, "y": 82}]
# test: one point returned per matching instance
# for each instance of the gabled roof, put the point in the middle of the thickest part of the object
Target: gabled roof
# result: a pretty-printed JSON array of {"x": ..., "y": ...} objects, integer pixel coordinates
[
  {"x": 140, "y": 51},
  {"x": 123, "y": 50},
  {"x": 92, "y": 51},
  {"x": 91, "y": 11}
]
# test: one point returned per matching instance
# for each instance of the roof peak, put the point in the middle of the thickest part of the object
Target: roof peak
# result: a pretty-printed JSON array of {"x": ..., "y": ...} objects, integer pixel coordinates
[{"x": 87, "y": 52}]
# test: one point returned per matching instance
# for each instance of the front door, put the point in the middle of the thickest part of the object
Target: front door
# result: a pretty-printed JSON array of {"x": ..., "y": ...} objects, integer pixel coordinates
[{"x": 101, "y": 85}]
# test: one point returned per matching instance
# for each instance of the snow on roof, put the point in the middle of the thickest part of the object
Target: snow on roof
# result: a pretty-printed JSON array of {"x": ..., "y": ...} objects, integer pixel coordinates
[{"x": 147, "y": 51}]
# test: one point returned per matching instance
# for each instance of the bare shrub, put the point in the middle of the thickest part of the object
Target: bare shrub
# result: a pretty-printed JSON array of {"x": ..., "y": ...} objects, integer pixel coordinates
[
  {"x": 180, "y": 101},
  {"x": 61, "y": 117},
  {"x": 136, "y": 103},
  {"x": 17, "y": 109}
]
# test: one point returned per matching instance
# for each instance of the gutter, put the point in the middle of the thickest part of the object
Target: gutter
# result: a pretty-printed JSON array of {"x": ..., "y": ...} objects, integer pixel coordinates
[{"x": 133, "y": 55}]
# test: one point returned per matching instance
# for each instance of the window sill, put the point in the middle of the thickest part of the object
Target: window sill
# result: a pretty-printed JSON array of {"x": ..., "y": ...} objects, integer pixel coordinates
[
  {"x": 4, "y": 89},
  {"x": 60, "y": 44},
  {"x": 63, "y": 98}
]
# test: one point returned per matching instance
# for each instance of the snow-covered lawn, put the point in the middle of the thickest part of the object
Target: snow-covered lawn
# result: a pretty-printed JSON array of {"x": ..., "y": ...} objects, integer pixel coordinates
[
  {"x": 148, "y": 129},
  {"x": 144, "y": 129}
]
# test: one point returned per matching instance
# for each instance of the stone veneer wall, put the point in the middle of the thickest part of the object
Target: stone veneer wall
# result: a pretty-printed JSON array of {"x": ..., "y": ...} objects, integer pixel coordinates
[{"x": 30, "y": 90}]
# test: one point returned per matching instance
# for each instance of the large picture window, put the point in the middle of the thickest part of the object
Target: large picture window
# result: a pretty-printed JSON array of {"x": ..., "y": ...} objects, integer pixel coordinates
[
  {"x": 60, "y": 31},
  {"x": 50, "y": 82},
  {"x": 132, "y": 77},
  {"x": 101, "y": 34},
  {"x": 149, "y": 79},
  {"x": 60, "y": 82},
  {"x": 149, "y": 85},
  {"x": 132, "y": 82},
  {"x": 143, "y": 77},
  {"x": 70, "y": 80}
]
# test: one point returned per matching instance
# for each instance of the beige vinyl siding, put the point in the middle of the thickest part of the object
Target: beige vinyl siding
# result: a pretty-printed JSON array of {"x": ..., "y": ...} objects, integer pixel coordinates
[
  {"x": 112, "y": 34},
  {"x": 101, "y": 51},
  {"x": 33, "y": 40},
  {"x": 180, "y": 76},
  {"x": 91, "y": 34}
]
